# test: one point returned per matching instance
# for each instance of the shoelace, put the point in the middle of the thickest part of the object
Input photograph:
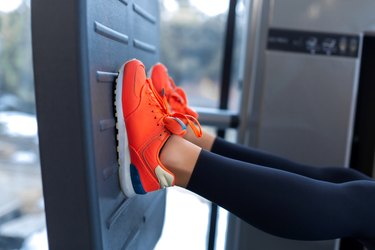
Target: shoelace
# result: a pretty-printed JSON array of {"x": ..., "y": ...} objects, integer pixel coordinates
[
  {"x": 170, "y": 118},
  {"x": 177, "y": 95}
]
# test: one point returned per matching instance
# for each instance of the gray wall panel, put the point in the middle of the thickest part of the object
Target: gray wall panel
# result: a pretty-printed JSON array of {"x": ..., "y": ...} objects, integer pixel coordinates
[
  {"x": 300, "y": 106},
  {"x": 306, "y": 107},
  {"x": 342, "y": 16},
  {"x": 78, "y": 48}
]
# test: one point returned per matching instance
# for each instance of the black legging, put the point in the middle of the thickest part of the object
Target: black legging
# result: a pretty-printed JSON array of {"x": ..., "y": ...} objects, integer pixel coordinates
[
  {"x": 246, "y": 154},
  {"x": 285, "y": 198}
]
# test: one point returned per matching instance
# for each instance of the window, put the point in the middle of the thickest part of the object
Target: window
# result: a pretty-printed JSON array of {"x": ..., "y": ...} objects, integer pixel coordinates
[
  {"x": 192, "y": 34},
  {"x": 22, "y": 219}
]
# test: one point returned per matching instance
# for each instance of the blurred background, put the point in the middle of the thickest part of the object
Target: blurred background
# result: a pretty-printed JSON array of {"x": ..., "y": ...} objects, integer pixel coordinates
[
  {"x": 22, "y": 220},
  {"x": 196, "y": 31}
]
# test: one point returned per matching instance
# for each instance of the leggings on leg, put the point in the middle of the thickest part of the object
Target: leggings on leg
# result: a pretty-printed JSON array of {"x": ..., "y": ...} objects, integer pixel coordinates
[
  {"x": 242, "y": 153},
  {"x": 286, "y": 204}
]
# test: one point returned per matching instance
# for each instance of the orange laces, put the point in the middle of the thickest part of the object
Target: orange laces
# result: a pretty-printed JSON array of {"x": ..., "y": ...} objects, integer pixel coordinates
[{"x": 171, "y": 118}]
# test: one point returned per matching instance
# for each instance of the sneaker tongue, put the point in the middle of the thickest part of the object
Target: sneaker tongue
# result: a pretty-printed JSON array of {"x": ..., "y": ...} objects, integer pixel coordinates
[
  {"x": 181, "y": 93},
  {"x": 175, "y": 125},
  {"x": 160, "y": 77}
]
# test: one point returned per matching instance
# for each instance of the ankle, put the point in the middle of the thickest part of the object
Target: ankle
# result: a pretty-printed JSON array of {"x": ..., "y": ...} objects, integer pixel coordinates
[
  {"x": 205, "y": 142},
  {"x": 179, "y": 156},
  {"x": 168, "y": 154}
]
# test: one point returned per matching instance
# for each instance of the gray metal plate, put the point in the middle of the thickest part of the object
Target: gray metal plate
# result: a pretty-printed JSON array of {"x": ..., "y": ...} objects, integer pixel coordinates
[{"x": 78, "y": 47}]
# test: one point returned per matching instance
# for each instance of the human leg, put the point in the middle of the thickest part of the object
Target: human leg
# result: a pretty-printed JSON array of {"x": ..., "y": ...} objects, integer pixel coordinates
[
  {"x": 278, "y": 202},
  {"x": 251, "y": 155},
  {"x": 239, "y": 152},
  {"x": 178, "y": 102},
  {"x": 144, "y": 124}
]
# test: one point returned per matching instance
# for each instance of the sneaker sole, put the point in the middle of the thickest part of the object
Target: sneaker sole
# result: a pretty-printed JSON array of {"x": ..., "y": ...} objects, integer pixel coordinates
[{"x": 122, "y": 140}]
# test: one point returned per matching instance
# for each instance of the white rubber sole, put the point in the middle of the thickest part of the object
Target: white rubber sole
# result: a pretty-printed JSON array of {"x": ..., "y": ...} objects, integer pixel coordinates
[{"x": 122, "y": 140}]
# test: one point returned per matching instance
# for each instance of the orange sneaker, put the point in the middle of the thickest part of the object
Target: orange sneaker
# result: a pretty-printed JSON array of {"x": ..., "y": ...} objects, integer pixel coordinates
[
  {"x": 176, "y": 96},
  {"x": 144, "y": 124}
]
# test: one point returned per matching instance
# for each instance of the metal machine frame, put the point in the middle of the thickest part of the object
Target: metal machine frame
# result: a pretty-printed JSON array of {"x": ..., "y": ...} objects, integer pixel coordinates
[{"x": 78, "y": 47}]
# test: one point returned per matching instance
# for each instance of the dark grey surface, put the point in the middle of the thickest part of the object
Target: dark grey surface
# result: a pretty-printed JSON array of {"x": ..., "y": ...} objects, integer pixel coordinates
[
  {"x": 297, "y": 105},
  {"x": 78, "y": 47},
  {"x": 313, "y": 43}
]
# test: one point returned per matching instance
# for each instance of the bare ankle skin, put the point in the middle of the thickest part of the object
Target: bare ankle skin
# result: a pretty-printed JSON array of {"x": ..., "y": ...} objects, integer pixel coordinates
[
  {"x": 205, "y": 142},
  {"x": 180, "y": 157}
]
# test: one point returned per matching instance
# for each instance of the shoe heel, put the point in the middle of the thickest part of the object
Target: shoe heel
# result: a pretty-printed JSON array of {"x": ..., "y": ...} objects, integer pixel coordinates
[{"x": 165, "y": 178}]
